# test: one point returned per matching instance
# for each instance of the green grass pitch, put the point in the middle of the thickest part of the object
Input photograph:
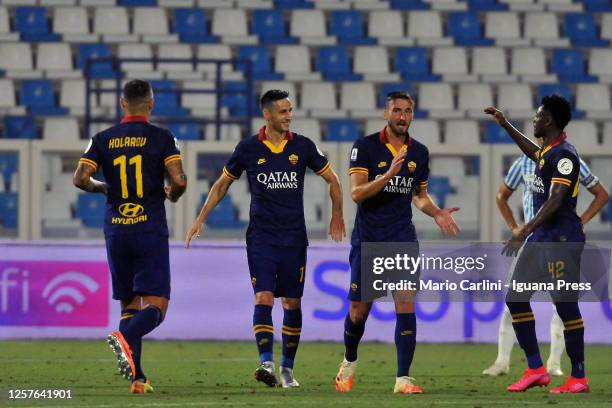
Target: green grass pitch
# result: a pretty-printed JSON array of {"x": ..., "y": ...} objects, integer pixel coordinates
[{"x": 220, "y": 374}]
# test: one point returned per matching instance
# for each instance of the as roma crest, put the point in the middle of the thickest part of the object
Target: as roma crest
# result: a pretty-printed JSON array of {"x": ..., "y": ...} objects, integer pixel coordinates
[
  {"x": 411, "y": 166},
  {"x": 293, "y": 159}
]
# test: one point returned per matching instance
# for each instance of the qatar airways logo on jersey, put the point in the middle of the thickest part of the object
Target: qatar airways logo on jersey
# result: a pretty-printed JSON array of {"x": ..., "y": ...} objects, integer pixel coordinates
[
  {"x": 275, "y": 180},
  {"x": 537, "y": 186},
  {"x": 398, "y": 184}
]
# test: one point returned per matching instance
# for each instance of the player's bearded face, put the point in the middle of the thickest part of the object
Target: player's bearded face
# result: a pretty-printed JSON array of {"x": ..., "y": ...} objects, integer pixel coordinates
[
  {"x": 399, "y": 115},
  {"x": 280, "y": 115}
]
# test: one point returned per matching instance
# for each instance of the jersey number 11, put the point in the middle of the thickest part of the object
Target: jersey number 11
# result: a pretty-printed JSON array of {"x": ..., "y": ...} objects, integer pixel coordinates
[{"x": 122, "y": 162}]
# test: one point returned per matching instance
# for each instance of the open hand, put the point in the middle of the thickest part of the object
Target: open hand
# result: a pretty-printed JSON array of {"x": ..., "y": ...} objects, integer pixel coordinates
[{"x": 445, "y": 221}]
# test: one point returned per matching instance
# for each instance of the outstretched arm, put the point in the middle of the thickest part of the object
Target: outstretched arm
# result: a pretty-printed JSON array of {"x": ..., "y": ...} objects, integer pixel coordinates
[
  {"x": 178, "y": 180},
  {"x": 337, "y": 230},
  {"x": 522, "y": 141},
  {"x": 83, "y": 179},
  {"x": 442, "y": 216},
  {"x": 215, "y": 195},
  {"x": 600, "y": 199}
]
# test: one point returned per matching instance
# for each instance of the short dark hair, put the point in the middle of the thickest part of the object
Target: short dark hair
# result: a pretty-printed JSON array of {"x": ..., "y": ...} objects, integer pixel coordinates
[
  {"x": 272, "y": 96},
  {"x": 559, "y": 108},
  {"x": 399, "y": 95},
  {"x": 136, "y": 91}
]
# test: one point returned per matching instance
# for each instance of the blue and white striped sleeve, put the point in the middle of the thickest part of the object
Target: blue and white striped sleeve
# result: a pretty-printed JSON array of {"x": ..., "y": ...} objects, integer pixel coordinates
[
  {"x": 514, "y": 177},
  {"x": 587, "y": 179}
]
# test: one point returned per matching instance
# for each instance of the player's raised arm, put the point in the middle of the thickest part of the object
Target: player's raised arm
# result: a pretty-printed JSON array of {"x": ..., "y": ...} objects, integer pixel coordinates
[
  {"x": 83, "y": 179},
  {"x": 337, "y": 229},
  {"x": 522, "y": 141},
  {"x": 442, "y": 216},
  {"x": 215, "y": 195},
  {"x": 178, "y": 180}
]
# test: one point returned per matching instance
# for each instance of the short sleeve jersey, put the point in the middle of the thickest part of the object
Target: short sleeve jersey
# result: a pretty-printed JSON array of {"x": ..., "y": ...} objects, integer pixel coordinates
[
  {"x": 522, "y": 171},
  {"x": 132, "y": 156},
  {"x": 387, "y": 216},
  {"x": 276, "y": 180},
  {"x": 558, "y": 163}
]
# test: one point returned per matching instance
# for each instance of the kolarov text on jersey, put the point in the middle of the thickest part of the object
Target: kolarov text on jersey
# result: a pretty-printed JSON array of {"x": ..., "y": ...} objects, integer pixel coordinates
[
  {"x": 387, "y": 216},
  {"x": 276, "y": 179},
  {"x": 558, "y": 163},
  {"x": 133, "y": 156}
]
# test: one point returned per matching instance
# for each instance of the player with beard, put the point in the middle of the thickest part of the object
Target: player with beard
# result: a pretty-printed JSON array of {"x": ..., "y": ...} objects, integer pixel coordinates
[
  {"x": 275, "y": 161},
  {"x": 379, "y": 163}
]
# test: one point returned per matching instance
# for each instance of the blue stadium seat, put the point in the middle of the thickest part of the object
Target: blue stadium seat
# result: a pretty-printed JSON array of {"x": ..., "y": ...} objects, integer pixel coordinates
[
  {"x": 8, "y": 166},
  {"x": 569, "y": 66},
  {"x": 413, "y": 64},
  {"x": 386, "y": 88},
  {"x": 8, "y": 210},
  {"x": 90, "y": 208},
  {"x": 581, "y": 29},
  {"x": 186, "y": 130},
  {"x": 32, "y": 23},
  {"x": 191, "y": 26},
  {"x": 486, "y": 5},
  {"x": 236, "y": 98},
  {"x": 38, "y": 96},
  {"x": 166, "y": 101},
  {"x": 465, "y": 27},
  {"x": 260, "y": 63},
  {"x": 496, "y": 134},
  {"x": 98, "y": 69},
  {"x": 562, "y": 90},
  {"x": 224, "y": 215},
  {"x": 293, "y": 4},
  {"x": 20, "y": 127},
  {"x": 409, "y": 5},
  {"x": 342, "y": 130},
  {"x": 559, "y": 89},
  {"x": 334, "y": 64},
  {"x": 136, "y": 3},
  {"x": 597, "y": 5},
  {"x": 349, "y": 26},
  {"x": 270, "y": 26},
  {"x": 439, "y": 187}
]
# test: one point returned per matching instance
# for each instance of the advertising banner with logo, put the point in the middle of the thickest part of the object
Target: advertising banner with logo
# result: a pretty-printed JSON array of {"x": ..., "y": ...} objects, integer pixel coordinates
[{"x": 62, "y": 290}]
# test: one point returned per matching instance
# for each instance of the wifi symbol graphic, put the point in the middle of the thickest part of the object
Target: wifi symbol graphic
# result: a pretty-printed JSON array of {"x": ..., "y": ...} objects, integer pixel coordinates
[{"x": 57, "y": 289}]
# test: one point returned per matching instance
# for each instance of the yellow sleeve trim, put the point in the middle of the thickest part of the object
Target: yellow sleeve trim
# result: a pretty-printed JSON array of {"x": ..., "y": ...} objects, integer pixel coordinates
[
  {"x": 561, "y": 181},
  {"x": 228, "y": 174},
  {"x": 358, "y": 170},
  {"x": 89, "y": 162},
  {"x": 324, "y": 169},
  {"x": 172, "y": 158},
  {"x": 423, "y": 183}
]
